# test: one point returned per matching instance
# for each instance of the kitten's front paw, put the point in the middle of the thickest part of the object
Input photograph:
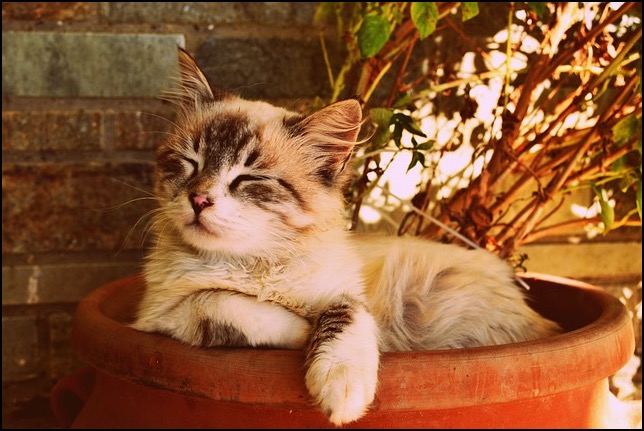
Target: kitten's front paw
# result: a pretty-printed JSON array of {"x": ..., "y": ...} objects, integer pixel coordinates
[
  {"x": 343, "y": 360},
  {"x": 343, "y": 390}
]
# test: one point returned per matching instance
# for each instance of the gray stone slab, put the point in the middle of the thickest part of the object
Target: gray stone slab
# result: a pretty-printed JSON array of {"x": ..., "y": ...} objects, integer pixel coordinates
[{"x": 48, "y": 64}]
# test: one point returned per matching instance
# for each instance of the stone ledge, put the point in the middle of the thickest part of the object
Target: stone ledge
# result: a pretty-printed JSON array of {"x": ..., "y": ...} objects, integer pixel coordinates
[
  {"x": 62, "y": 283},
  {"x": 50, "y": 64},
  {"x": 602, "y": 260}
]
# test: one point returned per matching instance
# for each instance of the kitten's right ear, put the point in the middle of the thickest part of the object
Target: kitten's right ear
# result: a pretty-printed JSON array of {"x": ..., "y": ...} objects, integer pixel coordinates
[
  {"x": 330, "y": 135},
  {"x": 194, "y": 89}
]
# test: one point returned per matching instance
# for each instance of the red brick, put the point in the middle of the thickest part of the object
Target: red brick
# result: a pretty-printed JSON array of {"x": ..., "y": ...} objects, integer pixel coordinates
[
  {"x": 53, "y": 130},
  {"x": 139, "y": 130},
  {"x": 50, "y": 208},
  {"x": 20, "y": 353},
  {"x": 49, "y": 11}
]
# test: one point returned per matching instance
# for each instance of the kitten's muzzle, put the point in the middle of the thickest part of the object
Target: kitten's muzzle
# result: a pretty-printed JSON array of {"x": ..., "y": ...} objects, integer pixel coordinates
[{"x": 199, "y": 201}]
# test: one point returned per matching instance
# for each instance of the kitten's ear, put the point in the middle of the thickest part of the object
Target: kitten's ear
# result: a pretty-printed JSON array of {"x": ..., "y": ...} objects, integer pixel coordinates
[
  {"x": 340, "y": 120},
  {"x": 194, "y": 88},
  {"x": 332, "y": 133}
]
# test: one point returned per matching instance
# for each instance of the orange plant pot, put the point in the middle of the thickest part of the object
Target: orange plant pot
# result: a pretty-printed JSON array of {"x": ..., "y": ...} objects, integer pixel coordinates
[{"x": 140, "y": 380}]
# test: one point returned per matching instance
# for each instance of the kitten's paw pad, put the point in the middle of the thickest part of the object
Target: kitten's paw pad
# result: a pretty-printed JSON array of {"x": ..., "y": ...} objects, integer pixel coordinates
[{"x": 343, "y": 392}]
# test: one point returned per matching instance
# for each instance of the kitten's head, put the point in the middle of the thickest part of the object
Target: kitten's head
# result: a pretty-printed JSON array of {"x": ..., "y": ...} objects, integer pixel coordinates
[{"x": 246, "y": 177}]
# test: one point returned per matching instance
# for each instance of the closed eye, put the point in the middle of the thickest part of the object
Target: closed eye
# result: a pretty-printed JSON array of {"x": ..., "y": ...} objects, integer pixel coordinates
[
  {"x": 266, "y": 191},
  {"x": 193, "y": 164},
  {"x": 245, "y": 177}
]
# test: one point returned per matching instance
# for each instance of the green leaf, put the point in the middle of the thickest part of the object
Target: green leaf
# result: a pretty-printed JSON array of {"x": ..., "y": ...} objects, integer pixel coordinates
[
  {"x": 540, "y": 8},
  {"x": 396, "y": 14},
  {"x": 607, "y": 212},
  {"x": 399, "y": 118},
  {"x": 374, "y": 32},
  {"x": 381, "y": 117},
  {"x": 413, "y": 128},
  {"x": 426, "y": 146},
  {"x": 625, "y": 129},
  {"x": 397, "y": 134},
  {"x": 424, "y": 16},
  {"x": 403, "y": 101},
  {"x": 407, "y": 123},
  {"x": 416, "y": 158},
  {"x": 324, "y": 12},
  {"x": 469, "y": 10},
  {"x": 619, "y": 165}
]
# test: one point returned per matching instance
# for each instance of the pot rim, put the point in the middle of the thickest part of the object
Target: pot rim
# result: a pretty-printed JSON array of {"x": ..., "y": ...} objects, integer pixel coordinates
[{"x": 449, "y": 378}]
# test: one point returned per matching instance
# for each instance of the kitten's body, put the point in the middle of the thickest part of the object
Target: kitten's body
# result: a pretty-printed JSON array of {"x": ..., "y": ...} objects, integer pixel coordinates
[{"x": 251, "y": 250}]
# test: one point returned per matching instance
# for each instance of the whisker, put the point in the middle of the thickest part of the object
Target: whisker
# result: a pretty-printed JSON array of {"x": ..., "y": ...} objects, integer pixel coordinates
[
  {"x": 149, "y": 228},
  {"x": 153, "y": 225},
  {"x": 134, "y": 187},
  {"x": 133, "y": 228},
  {"x": 182, "y": 133},
  {"x": 162, "y": 118},
  {"x": 160, "y": 132},
  {"x": 161, "y": 225},
  {"x": 121, "y": 205}
]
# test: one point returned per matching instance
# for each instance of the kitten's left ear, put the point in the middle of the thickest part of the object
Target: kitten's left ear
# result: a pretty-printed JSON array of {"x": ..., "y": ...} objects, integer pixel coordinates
[
  {"x": 194, "y": 84},
  {"x": 194, "y": 89},
  {"x": 332, "y": 132}
]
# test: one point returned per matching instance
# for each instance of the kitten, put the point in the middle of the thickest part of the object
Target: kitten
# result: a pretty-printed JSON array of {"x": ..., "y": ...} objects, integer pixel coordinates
[{"x": 251, "y": 250}]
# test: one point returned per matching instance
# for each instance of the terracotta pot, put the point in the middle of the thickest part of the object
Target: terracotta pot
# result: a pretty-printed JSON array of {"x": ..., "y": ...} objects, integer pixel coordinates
[{"x": 139, "y": 380}]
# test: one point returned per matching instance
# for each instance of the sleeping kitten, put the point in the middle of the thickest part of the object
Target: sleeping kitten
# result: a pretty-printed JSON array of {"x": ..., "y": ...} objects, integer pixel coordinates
[{"x": 251, "y": 250}]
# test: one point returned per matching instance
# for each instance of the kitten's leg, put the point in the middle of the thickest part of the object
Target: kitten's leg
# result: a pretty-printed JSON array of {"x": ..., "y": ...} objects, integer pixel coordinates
[
  {"x": 222, "y": 318},
  {"x": 342, "y": 359}
]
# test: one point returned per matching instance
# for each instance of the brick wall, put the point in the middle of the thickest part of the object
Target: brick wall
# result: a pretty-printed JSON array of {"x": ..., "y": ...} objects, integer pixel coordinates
[{"x": 80, "y": 119}]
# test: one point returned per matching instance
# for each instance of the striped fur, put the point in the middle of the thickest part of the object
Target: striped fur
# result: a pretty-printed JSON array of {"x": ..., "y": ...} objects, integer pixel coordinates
[{"x": 251, "y": 250}]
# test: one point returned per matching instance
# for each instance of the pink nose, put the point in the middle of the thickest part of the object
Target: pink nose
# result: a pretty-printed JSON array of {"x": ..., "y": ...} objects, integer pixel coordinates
[{"x": 199, "y": 201}]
